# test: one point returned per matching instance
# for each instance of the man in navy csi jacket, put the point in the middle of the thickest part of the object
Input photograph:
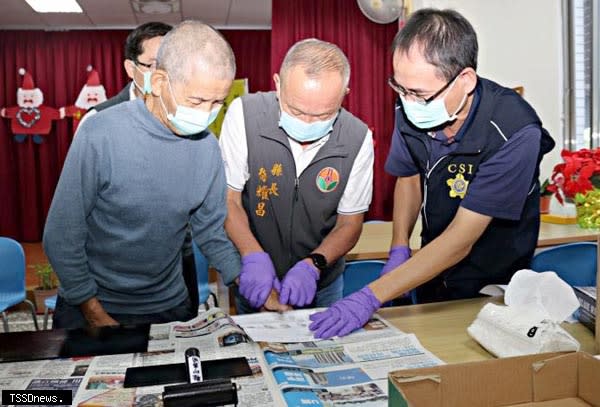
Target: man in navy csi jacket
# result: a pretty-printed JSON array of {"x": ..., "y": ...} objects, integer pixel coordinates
[{"x": 466, "y": 154}]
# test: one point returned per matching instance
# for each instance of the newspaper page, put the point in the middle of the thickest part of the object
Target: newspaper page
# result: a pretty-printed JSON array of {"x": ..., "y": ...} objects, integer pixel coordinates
[
  {"x": 217, "y": 336},
  {"x": 56, "y": 374},
  {"x": 349, "y": 371},
  {"x": 291, "y": 326},
  {"x": 106, "y": 374},
  {"x": 213, "y": 332}
]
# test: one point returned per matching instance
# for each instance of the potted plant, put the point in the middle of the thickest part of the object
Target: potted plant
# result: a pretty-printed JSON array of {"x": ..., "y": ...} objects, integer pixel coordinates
[
  {"x": 578, "y": 173},
  {"x": 47, "y": 285},
  {"x": 545, "y": 197},
  {"x": 577, "y": 180}
]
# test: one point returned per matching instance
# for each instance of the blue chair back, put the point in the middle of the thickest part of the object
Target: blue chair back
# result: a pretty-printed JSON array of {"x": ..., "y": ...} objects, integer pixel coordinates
[
  {"x": 12, "y": 279},
  {"x": 575, "y": 263},
  {"x": 50, "y": 302},
  {"x": 201, "y": 274},
  {"x": 358, "y": 274},
  {"x": 12, "y": 273}
]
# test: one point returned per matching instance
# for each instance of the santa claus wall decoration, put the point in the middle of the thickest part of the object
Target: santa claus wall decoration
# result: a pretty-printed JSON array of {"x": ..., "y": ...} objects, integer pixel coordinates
[
  {"x": 91, "y": 94},
  {"x": 30, "y": 117}
]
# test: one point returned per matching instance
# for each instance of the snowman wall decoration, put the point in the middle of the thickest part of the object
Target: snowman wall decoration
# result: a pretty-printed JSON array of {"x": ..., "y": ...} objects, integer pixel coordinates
[
  {"x": 30, "y": 117},
  {"x": 91, "y": 94}
]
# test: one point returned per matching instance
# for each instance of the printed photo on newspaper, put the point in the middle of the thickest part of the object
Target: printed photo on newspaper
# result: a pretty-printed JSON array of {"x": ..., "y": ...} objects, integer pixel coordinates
[{"x": 353, "y": 373}]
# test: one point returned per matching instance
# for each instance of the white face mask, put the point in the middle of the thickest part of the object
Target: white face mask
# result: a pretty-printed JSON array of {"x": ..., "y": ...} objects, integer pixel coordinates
[
  {"x": 432, "y": 114},
  {"x": 305, "y": 132},
  {"x": 147, "y": 88},
  {"x": 189, "y": 121}
]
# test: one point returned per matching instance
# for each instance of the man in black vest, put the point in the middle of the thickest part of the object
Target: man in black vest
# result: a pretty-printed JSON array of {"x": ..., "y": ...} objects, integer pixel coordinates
[
  {"x": 466, "y": 152},
  {"x": 299, "y": 169}
]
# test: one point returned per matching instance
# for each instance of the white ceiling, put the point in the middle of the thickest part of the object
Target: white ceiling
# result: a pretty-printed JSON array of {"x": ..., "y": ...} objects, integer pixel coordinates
[{"x": 120, "y": 14}]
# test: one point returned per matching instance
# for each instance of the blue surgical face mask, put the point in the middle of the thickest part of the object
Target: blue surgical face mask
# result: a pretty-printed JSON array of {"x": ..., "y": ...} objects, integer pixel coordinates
[
  {"x": 189, "y": 121},
  {"x": 147, "y": 89},
  {"x": 304, "y": 132},
  {"x": 432, "y": 114}
]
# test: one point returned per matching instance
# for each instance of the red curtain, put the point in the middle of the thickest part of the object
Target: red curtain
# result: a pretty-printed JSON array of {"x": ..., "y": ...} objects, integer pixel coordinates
[
  {"x": 252, "y": 49},
  {"x": 366, "y": 45},
  {"x": 57, "y": 61}
]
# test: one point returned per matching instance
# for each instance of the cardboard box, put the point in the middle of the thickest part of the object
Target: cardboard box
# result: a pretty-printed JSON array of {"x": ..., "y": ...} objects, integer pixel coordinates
[
  {"x": 587, "y": 311},
  {"x": 550, "y": 379}
]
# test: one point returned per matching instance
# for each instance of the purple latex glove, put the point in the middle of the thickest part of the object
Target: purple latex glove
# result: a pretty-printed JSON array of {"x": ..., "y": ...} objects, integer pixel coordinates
[
  {"x": 345, "y": 315},
  {"x": 299, "y": 285},
  {"x": 257, "y": 278},
  {"x": 398, "y": 255}
]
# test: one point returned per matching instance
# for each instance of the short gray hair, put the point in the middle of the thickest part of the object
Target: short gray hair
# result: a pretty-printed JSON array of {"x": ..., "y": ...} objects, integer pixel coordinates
[
  {"x": 316, "y": 56},
  {"x": 191, "y": 40}
]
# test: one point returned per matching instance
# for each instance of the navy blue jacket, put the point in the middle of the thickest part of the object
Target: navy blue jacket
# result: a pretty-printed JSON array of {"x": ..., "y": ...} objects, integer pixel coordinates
[{"x": 507, "y": 245}]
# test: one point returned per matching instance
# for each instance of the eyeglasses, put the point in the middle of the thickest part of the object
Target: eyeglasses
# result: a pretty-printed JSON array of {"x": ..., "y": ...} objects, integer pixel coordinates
[
  {"x": 148, "y": 66},
  {"x": 419, "y": 99}
]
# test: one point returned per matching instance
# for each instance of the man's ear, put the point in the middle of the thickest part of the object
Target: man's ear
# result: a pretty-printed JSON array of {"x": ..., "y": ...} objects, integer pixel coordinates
[
  {"x": 156, "y": 80},
  {"x": 129, "y": 66},
  {"x": 277, "y": 81},
  {"x": 469, "y": 78}
]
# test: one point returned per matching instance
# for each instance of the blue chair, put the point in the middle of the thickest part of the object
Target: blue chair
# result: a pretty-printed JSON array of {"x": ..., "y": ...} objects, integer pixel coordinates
[
  {"x": 575, "y": 263},
  {"x": 12, "y": 279},
  {"x": 359, "y": 273},
  {"x": 202, "y": 277},
  {"x": 49, "y": 304}
]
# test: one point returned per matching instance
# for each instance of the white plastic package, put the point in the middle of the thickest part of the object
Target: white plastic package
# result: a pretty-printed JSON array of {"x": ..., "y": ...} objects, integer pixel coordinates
[{"x": 530, "y": 322}]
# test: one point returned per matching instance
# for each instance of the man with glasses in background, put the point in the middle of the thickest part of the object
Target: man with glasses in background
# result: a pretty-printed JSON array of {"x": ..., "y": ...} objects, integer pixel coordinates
[
  {"x": 141, "y": 47},
  {"x": 466, "y": 154}
]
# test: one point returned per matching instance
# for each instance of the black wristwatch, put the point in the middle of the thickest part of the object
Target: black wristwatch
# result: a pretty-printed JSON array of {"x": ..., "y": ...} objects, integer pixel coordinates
[{"x": 318, "y": 260}]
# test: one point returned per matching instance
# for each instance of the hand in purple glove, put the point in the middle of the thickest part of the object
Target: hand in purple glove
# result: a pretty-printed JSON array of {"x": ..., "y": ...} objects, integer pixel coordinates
[
  {"x": 398, "y": 255},
  {"x": 299, "y": 285},
  {"x": 345, "y": 315},
  {"x": 257, "y": 278}
]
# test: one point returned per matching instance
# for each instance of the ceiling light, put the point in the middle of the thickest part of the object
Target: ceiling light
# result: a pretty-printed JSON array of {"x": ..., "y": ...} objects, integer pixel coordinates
[
  {"x": 55, "y": 6},
  {"x": 155, "y": 6}
]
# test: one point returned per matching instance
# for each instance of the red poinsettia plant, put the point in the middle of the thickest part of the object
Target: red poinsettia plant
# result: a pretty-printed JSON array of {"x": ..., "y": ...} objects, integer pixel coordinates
[{"x": 579, "y": 173}]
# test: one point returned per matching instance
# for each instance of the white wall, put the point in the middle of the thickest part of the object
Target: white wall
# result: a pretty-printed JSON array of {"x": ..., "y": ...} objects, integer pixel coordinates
[{"x": 520, "y": 43}]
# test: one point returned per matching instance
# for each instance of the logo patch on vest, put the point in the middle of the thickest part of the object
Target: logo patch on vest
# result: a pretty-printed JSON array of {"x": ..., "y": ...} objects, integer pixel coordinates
[
  {"x": 328, "y": 179},
  {"x": 458, "y": 186}
]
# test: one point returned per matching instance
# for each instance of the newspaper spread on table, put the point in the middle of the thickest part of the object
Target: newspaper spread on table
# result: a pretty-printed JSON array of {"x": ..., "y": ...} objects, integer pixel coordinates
[{"x": 344, "y": 371}]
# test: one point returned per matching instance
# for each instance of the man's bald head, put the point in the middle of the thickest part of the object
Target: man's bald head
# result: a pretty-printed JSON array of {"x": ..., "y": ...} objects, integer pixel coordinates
[{"x": 193, "y": 45}]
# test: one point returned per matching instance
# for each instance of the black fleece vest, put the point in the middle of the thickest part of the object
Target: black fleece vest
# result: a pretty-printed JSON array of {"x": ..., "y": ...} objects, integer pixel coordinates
[
  {"x": 122, "y": 96},
  {"x": 506, "y": 246},
  {"x": 289, "y": 215}
]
